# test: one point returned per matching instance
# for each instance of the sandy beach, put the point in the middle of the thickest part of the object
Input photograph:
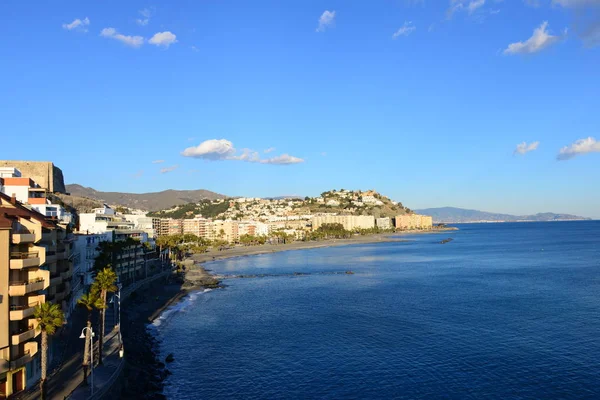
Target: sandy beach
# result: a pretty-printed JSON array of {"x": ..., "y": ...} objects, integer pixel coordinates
[{"x": 241, "y": 251}]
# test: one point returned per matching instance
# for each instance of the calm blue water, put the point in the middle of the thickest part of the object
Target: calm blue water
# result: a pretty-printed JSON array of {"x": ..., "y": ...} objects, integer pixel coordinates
[{"x": 503, "y": 311}]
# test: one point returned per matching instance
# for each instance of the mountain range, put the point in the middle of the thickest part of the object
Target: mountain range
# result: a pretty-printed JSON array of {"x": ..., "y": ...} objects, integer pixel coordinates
[
  {"x": 461, "y": 215},
  {"x": 145, "y": 201}
]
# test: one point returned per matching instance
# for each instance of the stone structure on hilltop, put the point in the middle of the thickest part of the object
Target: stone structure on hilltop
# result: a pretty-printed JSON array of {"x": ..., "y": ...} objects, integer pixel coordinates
[{"x": 44, "y": 173}]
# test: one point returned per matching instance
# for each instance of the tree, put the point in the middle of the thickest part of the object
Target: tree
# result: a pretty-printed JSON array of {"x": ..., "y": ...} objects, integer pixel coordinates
[
  {"x": 89, "y": 301},
  {"x": 49, "y": 318},
  {"x": 104, "y": 283}
]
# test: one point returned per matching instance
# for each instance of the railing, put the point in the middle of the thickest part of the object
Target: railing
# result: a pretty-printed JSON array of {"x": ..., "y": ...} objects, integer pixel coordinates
[
  {"x": 22, "y": 330},
  {"x": 23, "y": 255},
  {"x": 24, "y": 307},
  {"x": 20, "y": 283},
  {"x": 50, "y": 253}
]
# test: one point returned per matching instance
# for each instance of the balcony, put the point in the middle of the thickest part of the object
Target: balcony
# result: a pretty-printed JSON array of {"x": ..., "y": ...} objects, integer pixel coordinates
[
  {"x": 49, "y": 236},
  {"x": 55, "y": 281},
  {"x": 24, "y": 259},
  {"x": 31, "y": 349},
  {"x": 22, "y": 288},
  {"x": 4, "y": 365},
  {"x": 23, "y": 237},
  {"x": 18, "y": 313},
  {"x": 61, "y": 254},
  {"x": 66, "y": 275},
  {"x": 50, "y": 256},
  {"x": 24, "y": 335}
]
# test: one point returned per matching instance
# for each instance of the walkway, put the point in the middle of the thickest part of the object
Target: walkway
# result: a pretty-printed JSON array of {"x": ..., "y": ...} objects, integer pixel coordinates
[{"x": 64, "y": 381}]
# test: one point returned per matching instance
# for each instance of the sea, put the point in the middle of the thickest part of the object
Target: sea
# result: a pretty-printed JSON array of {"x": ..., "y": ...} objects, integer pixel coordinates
[{"x": 503, "y": 311}]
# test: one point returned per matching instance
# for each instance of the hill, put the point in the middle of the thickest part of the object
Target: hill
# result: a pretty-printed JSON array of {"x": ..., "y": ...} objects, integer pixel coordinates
[
  {"x": 144, "y": 201},
  {"x": 458, "y": 215}
]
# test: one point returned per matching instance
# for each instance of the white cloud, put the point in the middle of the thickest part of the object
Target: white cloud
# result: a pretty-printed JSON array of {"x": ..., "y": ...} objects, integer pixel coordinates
[
  {"x": 158, "y": 161},
  {"x": 163, "y": 39},
  {"x": 146, "y": 13},
  {"x": 213, "y": 149},
  {"x": 138, "y": 174},
  {"x": 169, "y": 169},
  {"x": 405, "y": 30},
  {"x": 283, "y": 159},
  {"x": 581, "y": 146},
  {"x": 471, "y": 6},
  {"x": 270, "y": 149},
  {"x": 326, "y": 20},
  {"x": 474, "y": 5},
  {"x": 540, "y": 39},
  {"x": 133, "y": 41},
  {"x": 78, "y": 24},
  {"x": 524, "y": 148},
  {"x": 194, "y": 48},
  {"x": 223, "y": 149},
  {"x": 576, "y": 3}
]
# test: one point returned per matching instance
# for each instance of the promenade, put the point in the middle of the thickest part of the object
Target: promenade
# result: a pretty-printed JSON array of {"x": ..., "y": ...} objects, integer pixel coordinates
[{"x": 65, "y": 380}]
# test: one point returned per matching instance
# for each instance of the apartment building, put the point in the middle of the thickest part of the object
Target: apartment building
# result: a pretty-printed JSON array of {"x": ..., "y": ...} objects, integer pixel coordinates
[
  {"x": 27, "y": 191},
  {"x": 101, "y": 220},
  {"x": 143, "y": 223},
  {"x": 23, "y": 279},
  {"x": 350, "y": 222},
  {"x": 83, "y": 255},
  {"x": 414, "y": 221},
  {"x": 196, "y": 226},
  {"x": 223, "y": 230},
  {"x": 384, "y": 223}
]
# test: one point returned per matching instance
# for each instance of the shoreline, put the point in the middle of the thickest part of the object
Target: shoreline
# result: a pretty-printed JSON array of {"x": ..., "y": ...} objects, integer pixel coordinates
[
  {"x": 145, "y": 372},
  {"x": 277, "y": 248}
]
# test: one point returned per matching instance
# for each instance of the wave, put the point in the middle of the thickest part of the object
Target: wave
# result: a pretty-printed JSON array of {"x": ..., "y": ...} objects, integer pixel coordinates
[{"x": 173, "y": 310}]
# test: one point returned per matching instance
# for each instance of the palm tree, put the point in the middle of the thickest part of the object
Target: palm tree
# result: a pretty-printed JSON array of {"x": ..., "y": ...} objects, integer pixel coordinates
[
  {"x": 104, "y": 283},
  {"x": 49, "y": 318},
  {"x": 89, "y": 301}
]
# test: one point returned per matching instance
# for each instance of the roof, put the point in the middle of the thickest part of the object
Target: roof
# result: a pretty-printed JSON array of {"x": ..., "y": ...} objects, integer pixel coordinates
[{"x": 5, "y": 223}]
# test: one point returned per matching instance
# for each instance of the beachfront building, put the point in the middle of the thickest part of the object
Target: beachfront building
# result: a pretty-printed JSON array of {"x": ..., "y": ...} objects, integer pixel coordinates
[
  {"x": 350, "y": 222},
  {"x": 196, "y": 226},
  {"x": 142, "y": 223},
  {"x": 384, "y": 223},
  {"x": 413, "y": 221},
  {"x": 24, "y": 277},
  {"x": 84, "y": 252},
  {"x": 223, "y": 230}
]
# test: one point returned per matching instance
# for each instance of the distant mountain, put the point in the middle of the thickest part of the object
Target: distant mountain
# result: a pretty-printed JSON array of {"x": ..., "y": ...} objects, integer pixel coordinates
[
  {"x": 145, "y": 201},
  {"x": 458, "y": 215}
]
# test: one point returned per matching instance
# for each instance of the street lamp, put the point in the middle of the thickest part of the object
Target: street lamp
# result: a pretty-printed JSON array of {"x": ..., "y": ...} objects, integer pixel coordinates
[
  {"x": 82, "y": 336},
  {"x": 118, "y": 303}
]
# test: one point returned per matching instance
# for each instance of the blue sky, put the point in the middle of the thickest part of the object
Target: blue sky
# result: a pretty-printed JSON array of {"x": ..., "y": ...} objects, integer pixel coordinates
[{"x": 425, "y": 101}]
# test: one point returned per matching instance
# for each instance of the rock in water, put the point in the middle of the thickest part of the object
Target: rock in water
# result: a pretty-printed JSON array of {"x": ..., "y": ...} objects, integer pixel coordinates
[{"x": 170, "y": 358}]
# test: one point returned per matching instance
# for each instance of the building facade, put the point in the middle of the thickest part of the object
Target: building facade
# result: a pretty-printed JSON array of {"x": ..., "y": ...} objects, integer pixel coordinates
[
  {"x": 413, "y": 221},
  {"x": 24, "y": 277},
  {"x": 350, "y": 222}
]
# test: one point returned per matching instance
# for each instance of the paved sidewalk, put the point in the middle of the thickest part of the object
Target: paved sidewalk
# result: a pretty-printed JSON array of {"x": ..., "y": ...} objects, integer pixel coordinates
[{"x": 103, "y": 374}]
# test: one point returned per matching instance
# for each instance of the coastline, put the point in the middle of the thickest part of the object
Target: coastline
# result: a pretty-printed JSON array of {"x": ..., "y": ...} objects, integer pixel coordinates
[
  {"x": 145, "y": 371},
  {"x": 276, "y": 248}
]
